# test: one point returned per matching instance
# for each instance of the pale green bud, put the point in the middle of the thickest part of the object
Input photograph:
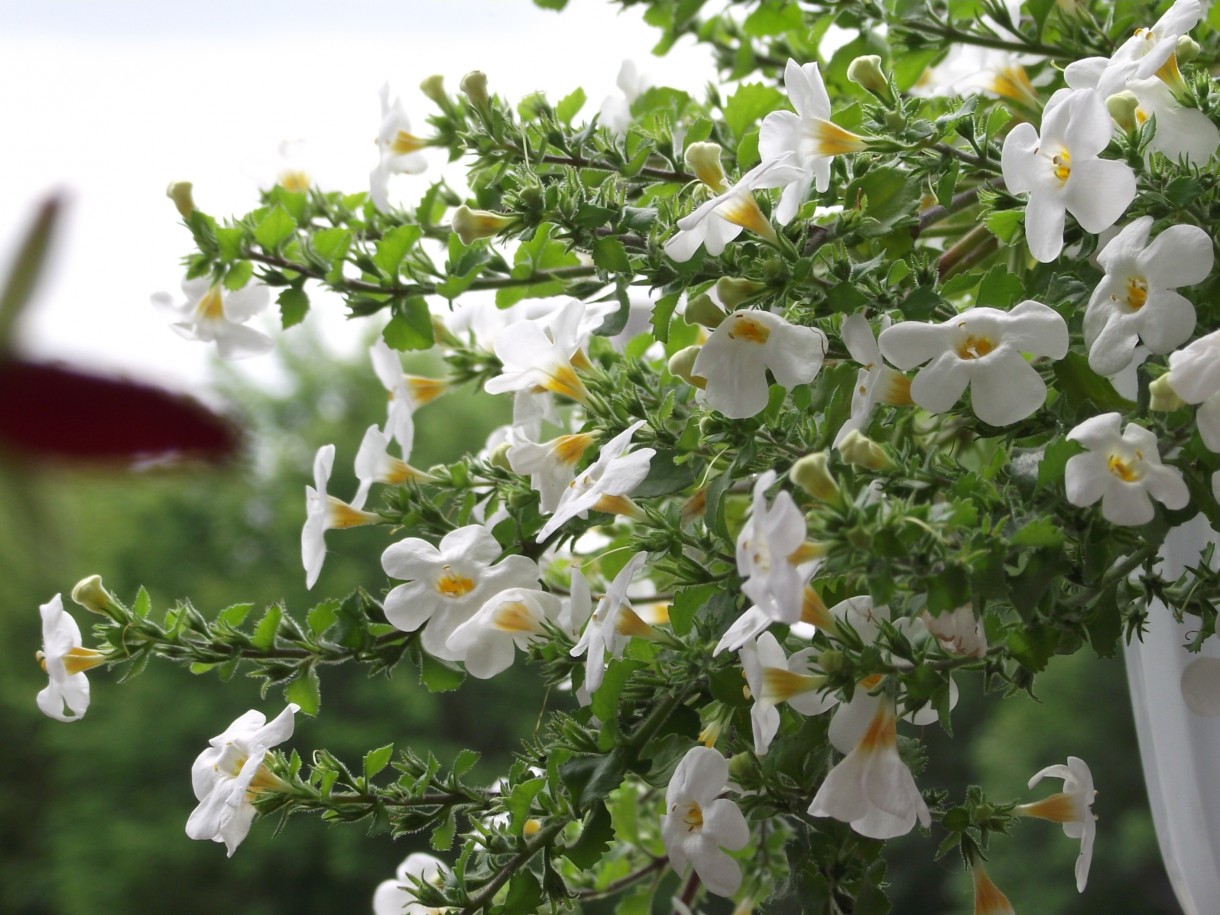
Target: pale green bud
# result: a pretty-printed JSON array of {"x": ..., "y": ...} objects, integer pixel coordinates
[
  {"x": 704, "y": 160},
  {"x": 474, "y": 85},
  {"x": 702, "y": 310},
  {"x": 832, "y": 661},
  {"x": 471, "y": 225},
  {"x": 1187, "y": 49},
  {"x": 682, "y": 364},
  {"x": 434, "y": 88},
  {"x": 812, "y": 474},
  {"x": 734, "y": 291},
  {"x": 180, "y": 193},
  {"x": 91, "y": 594},
  {"x": 499, "y": 457},
  {"x": 1123, "y": 107},
  {"x": 1164, "y": 398},
  {"x": 857, "y": 448},
  {"x": 865, "y": 71}
]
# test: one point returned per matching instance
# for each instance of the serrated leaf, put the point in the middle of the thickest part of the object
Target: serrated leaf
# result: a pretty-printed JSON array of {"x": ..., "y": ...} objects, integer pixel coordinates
[
  {"x": 233, "y": 615},
  {"x": 747, "y": 106},
  {"x": 888, "y": 195},
  {"x": 305, "y": 691},
  {"x": 773, "y": 17},
  {"x": 662, "y": 313},
  {"x": 570, "y": 104},
  {"x": 143, "y": 603},
  {"x": 263, "y": 636},
  {"x": 376, "y": 760},
  {"x": 275, "y": 228},
  {"x": 410, "y": 327},
  {"x": 519, "y": 801},
  {"x": 438, "y": 676},
  {"x": 464, "y": 762},
  {"x": 442, "y": 836},
  {"x": 1004, "y": 224},
  {"x": 331, "y": 244},
  {"x": 294, "y": 305},
  {"x": 1041, "y": 532},
  {"x": 610, "y": 255},
  {"x": 393, "y": 247},
  {"x": 323, "y": 616},
  {"x": 1000, "y": 288},
  {"x": 238, "y": 275},
  {"x": 1084, "y": 387},
  {"x": 595, "y": 836},
  {"x": 229, "y": 242}
]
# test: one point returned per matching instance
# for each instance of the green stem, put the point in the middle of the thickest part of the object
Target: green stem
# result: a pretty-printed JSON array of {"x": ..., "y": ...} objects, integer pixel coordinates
[{"x": 541, "y": 839}]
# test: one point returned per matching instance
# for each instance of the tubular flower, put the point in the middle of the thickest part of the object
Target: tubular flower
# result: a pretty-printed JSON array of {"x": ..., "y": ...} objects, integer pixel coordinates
[
  {"x": 612, "y": 623},
  {"x": 1154, "y": 48},
  {"x": 773, "y": 678},
  {"x": 1062, "y": 173},
  {"x": 511, "y": 619},
  {"x": 734, "y": 361},
  {"x": 397, "y": 896},
  {"x": 64, "y": 661},
  {"x": 1123, "y": 471},
  {"x": 211, "y": 313},
  {"x": 551, "y": 465},
  {"x": 406, "y": 394},
  {"x": 537, "y": 359},
  {"x": 615, "y": 113},
  {"x": 1136, "y": 300},
  {"x": 1072, "y": 807},
  {"x": 981, "y": 348},
  {"x": 1194, "y": 376},
  {"x": 871, "y": 788},
  {"x": 988, "y": 900},
  {"x": 230, "y": 774},
  {"x": 374, "y": 464},
  {"x": 398, "y": 150},
  {"x": 807, "y": 139},
  {"x": 770, "y": 555},
  {"x": 324, "y": 513},
  {"x": 876, "y": 382},
  {"x": 698, "y": 824},
  {"x": 446, "y": 586}
]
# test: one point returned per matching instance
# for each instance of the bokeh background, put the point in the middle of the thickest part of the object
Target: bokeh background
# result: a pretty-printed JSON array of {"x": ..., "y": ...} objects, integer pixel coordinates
[{"x": 111, "y": 100}]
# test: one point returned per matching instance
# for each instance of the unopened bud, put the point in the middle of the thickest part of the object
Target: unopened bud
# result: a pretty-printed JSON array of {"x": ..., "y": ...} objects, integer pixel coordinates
[
  {"x": 865, "y": 71},
  {"x": 91, "y": 594},
  {"x": 741, "y": 765},
  {"x": 474, "y": 86},
  {"x": 442, "y": 334},
  {"x": 812, "y": 474},
  {"x": 1164, "y": 398},
  {"x": 434, "y": 88},
  {"x": 704, "y": 160},
  {"x": 1187, "y": 49},
  {"x": 180, "y": 193},
  {"x": 1122, "y": 107},
  {"x": 471, "y": 225},
  {"x": 530, "y": 827},
  {"x": 857, "y": 448},
  {"x": 832, "y": 661},
  {"x": 734, "y": 291},
  {"x": 682, "y": 364},
  {"x": 499, "y": 457},
  {"x": 702, "y": 310}
]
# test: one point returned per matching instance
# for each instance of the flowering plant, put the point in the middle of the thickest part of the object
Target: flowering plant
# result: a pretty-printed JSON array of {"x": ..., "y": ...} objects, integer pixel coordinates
[{"x": 841, "y": 404}]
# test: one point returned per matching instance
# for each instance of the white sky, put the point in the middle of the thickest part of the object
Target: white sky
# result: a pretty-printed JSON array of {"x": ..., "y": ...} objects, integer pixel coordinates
[{"x": 111, "y": 100}]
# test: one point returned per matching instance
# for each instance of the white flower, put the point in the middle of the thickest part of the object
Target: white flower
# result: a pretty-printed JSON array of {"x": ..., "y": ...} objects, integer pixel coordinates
[
  {"x": 958, "y": 631},
  {"x": 1071, "y": 807},
  {"x": 698, "y": 825},
  {"x": 397, "y": 897},
  {"x": 773, "y": 677},
  {"x": 876, "y": 382},
  {"x": 980, "y": 348},
  {"x": 1123, "y": 471},
  {"x": 988, "y": 900},
  {"x": 968, "y": 69},
  {"x": 512, "y": 619},
  {"x": 374, "y": 464},
  {"x": 736, "y": 357},
  {"x": 605, "y": 484},
  {"x": 398, "y": 150},
  {"x": 616, "y": 109},
  {"x": 1201, "y": 687},
  {"x": 230, "y": 774},
  {"x": 770, "y": 556},
  {"x": 1155, "y": 47},
  {"x": 211, "y": 313},
  {"x": 871, "y": 788},
  {"x": 807, "y": 139},
  {"x": 1194, "y": 375},
  {"x": 536, "y": 358},
  {"x": 612, "y": 623},
  {"x": 446, "y": 586},
  {"x": 407, "y": 393},
  {"x": 551, "y": 465},
  {"x": 755, "y": 620},
  {"x": 718, "y": 221},
  {"x": 1062, "y": 172},
  {"x": 64, "y": 661},
  {"x": 324, "y": 513},
  {"x": 1135, "y": 300}
]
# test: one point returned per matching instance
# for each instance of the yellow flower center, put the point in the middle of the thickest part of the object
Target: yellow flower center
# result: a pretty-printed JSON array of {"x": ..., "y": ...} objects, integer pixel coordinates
[
  {"x": 295, "y": 181},
  {"x": 1013, "y": 83},
  {"x": 405, "y": 142},
  {"x": 343, "y": 516},
  {"x": 211, "y": 307},
  {"x": 515, "y": 617},
  {"x": 975, "y": 347},
  {"x": 453, "y": 585},
  {"x": 692, "y": 816},
  {"x": 1126, "y": 470},
  {"x": 780, "y": 684},
  {"x": 1137, "y": 292},
  {"x": 424, "y": 390},
  {"x": 829, "y": 139},
  {"x": 749, "y": 329},
  {"x": 1063, "y": 165},
  {"x": 569, "y": 448},
  {"x": 742, "y": 210}
]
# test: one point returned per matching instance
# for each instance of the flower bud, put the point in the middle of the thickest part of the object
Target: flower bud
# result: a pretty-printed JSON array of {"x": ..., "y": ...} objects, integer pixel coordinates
[
  {"x": 180, "y": 193},
  {"x": 832, "y": 661},
  {"x": 702, "y": 310},
  {"x": 812, "y": 474},
  {"x": 471, "y": 225},
  {"x": 865, "y": 71},
  {"x": 434, "y": 88},
  {"x": 1164, "y": 398},
  {"x": 442, "y": 334},
  {"x": 682, "y": 363},
  {"x": 499, "y": 457},
  {"x": 741, "y": 765},
  {"x": 857, "y": 448},
  {"x": 530, "y": 827},
  {"x": 91, "y": 594},
  {"x": 1187, "y": 50},
  {"x": 474, "y": 86},
  {"x": 704, "y": 160},
  {"x": 733, "y": 291},
  {"x": 1122, "y": 107}
]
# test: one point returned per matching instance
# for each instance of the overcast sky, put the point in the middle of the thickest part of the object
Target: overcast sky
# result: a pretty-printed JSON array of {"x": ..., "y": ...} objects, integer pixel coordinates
[{"x": 110, "y": 100}]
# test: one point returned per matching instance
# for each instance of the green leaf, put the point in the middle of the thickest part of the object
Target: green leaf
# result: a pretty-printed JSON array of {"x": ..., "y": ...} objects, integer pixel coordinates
[
  {"x": 143, "y": 604},
  {"x": 323, "y": 616},
  {"x": 238, "y": 275},
  {"x": 1000, "y": 288},
  {"x": 590, "y": 778},
  {"x": 410, "y": 327},
  {"x": 442, "y": 836},
  {"x": 1004, "y": 224},
  {"x": 605, "y": 700},
  {"x": 1085, "y": 388},
  {"x": 394, "y": 246},
  {"x": 464, "y": 762},
  {"x": 749, "y": 104},
  {"x": 595, "y": 838},
  {"x": 610, "y": 255},
  {"x": 887, "y": 194},
  {"x": 551, "y": 4},
  {"x": 331, "y": 244},
  {"x": 305, "y": 691},
  {"x": 773, "y": 17},
  {"x": 229, "y": 242},
  {"x": 1042, "y": 532},
  {"x": 570, "y": 104},
  {"x": 519, "y": 801},
  {"x": 524, "y": 893},
  {"x": 294, "y": 305},
  {"x": 275, "y": 228},
  {"x": 1054, "y": 461},
  {"x": 233, "y": 615},
  {"x": 948, "y": 590},
  {"x": 376, "y": 760},
  {"x": 664, "y": 476},
  {"x": 662, "y": 313},
  {"x": 263, "y": 636},
  {"x": 438, "y": 676},
  {"x": 1033, "y": 646}
]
